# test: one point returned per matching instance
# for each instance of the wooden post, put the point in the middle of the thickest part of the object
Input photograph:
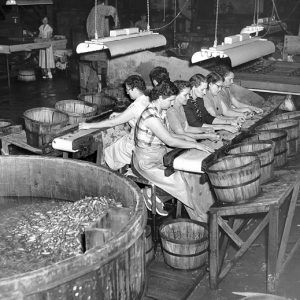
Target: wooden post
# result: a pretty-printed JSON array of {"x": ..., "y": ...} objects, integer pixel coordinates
[
  {"x": 272, "y": 276},
  {"x": 214, "y": 250}
]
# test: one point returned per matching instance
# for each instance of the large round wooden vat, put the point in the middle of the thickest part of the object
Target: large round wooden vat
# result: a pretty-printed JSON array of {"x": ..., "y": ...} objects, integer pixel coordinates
[{"x": 115, "y": 270}]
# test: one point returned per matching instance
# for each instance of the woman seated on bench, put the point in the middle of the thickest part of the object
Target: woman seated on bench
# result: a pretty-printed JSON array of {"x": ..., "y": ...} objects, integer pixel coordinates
[
  {"x": 196, "y": 113},
  {"x": 151, "y": 140},
  {"x": 119, "y": 153},
  {"x": 214, "y": 103},
  {"x": 227, "y": 96},
  {"x": 177, "y": 119}
]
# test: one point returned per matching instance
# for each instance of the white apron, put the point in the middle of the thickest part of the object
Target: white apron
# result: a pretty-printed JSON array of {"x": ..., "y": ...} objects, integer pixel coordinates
[{"x": 46, "y": 58}]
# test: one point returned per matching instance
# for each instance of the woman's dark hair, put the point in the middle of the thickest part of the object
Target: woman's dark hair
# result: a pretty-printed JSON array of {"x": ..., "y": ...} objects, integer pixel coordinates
[
  {"x": 159, "y": 74},
  {"x": 136, "y": 81},
  {"x": 165, "y": 89},
  {"x": 223, "y": 70},
  {"x": 182, "y": 84},
  {"x": 196, "y": 80},
  {"x": 214, "y": 77}
]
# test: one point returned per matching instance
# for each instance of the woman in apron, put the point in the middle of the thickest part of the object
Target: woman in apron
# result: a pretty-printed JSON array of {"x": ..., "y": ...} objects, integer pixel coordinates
[
  {"x": 151, "y": 140},
  {"x": 46, "y": 58},
  {"x": 119, "y": 153}
]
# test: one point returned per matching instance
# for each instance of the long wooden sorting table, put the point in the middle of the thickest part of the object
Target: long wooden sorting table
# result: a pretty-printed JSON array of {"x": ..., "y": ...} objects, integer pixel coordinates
[{"x": 9, "y": 46}]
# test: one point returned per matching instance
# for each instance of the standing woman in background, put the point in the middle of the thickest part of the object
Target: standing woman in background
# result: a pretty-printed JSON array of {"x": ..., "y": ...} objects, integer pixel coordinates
[{"x": 46, "y": 58}]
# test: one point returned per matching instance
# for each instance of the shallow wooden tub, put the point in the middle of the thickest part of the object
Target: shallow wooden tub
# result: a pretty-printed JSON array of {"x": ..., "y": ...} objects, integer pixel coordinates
[{"x": 113, "y": 270}]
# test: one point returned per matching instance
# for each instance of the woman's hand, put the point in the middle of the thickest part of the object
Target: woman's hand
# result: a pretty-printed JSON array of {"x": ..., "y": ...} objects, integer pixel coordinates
[
  {"x": 213, "y": 137},
  {"x": 84, "y": 126},
  {"x": 207, "y": 130},
  {"x": 113, "y": 115},
  {"x": 232, "y": 129},
  {"x": 257, "y": 110},
  {"x": 204, "y": 148}
]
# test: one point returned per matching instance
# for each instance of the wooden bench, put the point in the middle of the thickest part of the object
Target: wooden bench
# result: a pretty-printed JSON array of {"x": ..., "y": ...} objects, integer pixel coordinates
[{"x": 226, "y": 225}]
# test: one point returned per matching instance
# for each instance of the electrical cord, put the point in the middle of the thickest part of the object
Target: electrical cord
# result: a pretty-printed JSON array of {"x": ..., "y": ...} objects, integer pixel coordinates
[{"x": 172, "y": 21}]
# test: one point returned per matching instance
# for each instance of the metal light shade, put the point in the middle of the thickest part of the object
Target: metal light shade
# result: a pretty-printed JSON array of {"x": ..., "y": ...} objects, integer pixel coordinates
[
  {"x": 124, "y": 44},
  {"x": 28, "y": 2},
  {"x": 238, "y": 52},
  {"x": 11, "y": 2}
]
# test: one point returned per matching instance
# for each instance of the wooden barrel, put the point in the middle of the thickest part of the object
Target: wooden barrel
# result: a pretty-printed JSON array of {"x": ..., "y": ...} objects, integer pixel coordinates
[
  {"x": 149, "y": 247},
  {"x": 235, "y": 178},
  {"x": 291, "y": 127},
  {"x": 26, "y": 75},
  {"x": 265, "y": 152},
  {"x": 78, "y": 111},
  {"x": 184, "y": 243},
  {"x": 278, "y": 137},
  {"x": 113, "y": 270},
  {"x": 41, "y": 125},
  {"x": 104, "y": 102},
  {"x": 295, "y": 115}
]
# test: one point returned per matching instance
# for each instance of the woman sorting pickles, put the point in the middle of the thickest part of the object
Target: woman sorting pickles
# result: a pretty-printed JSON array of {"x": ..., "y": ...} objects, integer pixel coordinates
[{"x": 151, "y": 141}]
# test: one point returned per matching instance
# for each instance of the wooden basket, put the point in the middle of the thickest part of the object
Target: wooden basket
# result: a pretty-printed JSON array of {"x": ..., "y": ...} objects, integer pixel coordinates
[
  {"x": 295, "y": 115},
  {"x": 292, "y": 129},
  {"x": 235, "y": 178},
  {"x": 265, "y": 152},
  {"x": 184, "y": 243},
  {"x": 78, "y": 111},
  {"x": 42, "y": 124},
  {"x": 26, "y": 75},
  {"x": 149, "y": 247},
  {"x": 278, "y": 137},
  {"x": 104, "y": 102}
]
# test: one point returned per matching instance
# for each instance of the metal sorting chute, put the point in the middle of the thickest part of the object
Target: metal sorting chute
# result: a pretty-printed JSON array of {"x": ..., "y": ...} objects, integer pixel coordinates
[
  {"x": 123, "y": 42},
  {"x": 240, "y": 48}
]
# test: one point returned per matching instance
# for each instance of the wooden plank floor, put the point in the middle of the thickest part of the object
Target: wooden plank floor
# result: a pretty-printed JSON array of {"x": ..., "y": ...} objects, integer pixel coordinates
[{"x": 166, "y": 283}]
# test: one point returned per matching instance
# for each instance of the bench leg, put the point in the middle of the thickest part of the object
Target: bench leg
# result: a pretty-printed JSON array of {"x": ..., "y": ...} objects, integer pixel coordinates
[
  {"x": 214, "y": 251},
  {"x": 272, "y": 276}
]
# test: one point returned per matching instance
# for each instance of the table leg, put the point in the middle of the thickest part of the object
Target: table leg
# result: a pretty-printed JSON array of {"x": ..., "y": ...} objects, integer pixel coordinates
[
  {"x": 272, "y": 276},
  {"x": 7, "y": 71},
  {"x": 214, "y": 250},
  {"x": 65, "y": 154}
]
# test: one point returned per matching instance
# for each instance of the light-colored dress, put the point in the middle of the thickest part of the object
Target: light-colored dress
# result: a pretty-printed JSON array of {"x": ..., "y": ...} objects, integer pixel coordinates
[
  {"x": 148, "y": 161},
  {"x": 119, "y": 154},
  {"x": 46, "y": 58},
  {"x": 213, "y": 103}
]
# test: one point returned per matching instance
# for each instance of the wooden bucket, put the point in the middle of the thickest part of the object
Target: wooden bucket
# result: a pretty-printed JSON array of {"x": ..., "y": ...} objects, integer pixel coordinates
[
  {"x": 235, "y": 178},
  {"x": 42, "y": 124},
  {"x": 103, "y": 101},
  {"x": 26, "y": 75},
  {"x": 149, "y": 247},
  {"x": 112, "y": 270},
  {"x": 78, "y": 111},
  {"x": 278, "y": 137},
  {"x": 291, "y": 127},
  {"x": 295, "y": 115},
  {"x": 265, "y": 152},
  {"x": 184, "y": 243}
]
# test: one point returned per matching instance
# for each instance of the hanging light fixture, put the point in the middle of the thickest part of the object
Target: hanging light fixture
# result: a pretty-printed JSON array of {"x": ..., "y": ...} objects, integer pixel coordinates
[
  {"x": 123, "y": 41},
  {"x": 239, "y": 48},
  {"x": 11, "y": 2}
]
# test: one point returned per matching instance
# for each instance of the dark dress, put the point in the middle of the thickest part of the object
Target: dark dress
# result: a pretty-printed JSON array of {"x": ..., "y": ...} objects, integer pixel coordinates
[{"x": 196, "y": 113}]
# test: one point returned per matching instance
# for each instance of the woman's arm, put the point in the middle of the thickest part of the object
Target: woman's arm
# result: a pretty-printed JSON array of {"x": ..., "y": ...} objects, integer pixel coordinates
[
  {"x": 241, "y": 105},
  {"x": 162, "y": 133},
  {"x": 122, "y": 118},
  {"x": 228, "y": 112}
]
